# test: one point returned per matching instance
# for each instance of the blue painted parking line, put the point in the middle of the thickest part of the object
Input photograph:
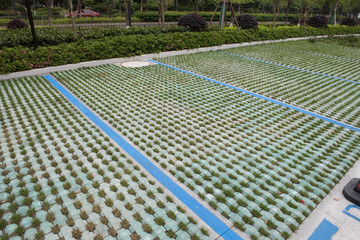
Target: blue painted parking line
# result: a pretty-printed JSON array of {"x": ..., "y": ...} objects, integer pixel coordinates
[
  {"x": 209, "y": 218},
  {"x": 286, "y": 66},
  {"x": 264, "y": 98},
  {"x": 347, "y": 209},
  {"x": 324, "y": 231}
]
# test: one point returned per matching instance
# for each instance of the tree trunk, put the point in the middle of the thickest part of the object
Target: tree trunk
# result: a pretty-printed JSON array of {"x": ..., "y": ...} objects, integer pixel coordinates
[
  {"x": 49, "y": 12},
  {"x": 335, "y": 7},
  {"x": 202, "y": 5},
  {"x": 70, "y": 5},
  {"x": 289, "y": 2},
  {"x": 301, "y": 10},
  {"x": 196, "y": 6},
  {"x": 141, "y": 5},
  {"x": 31, "y": 21},
  {"x": 79, "y": 9},
  {"x": 159, "y": 11},
  {"x": 127, "y": 13},
  {"x": 239, "y": 9},
  {"x": 120, "y": 8},
  {"x": 146, "y": 5},
  {"x": 51, "y": 3}
]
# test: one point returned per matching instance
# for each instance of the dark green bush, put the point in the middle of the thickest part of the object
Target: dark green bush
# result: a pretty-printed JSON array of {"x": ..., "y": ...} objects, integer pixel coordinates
[
  {"x": 22, "y": 58},
  {"x": 16, "y": 23},
  {"x": 318, "y": 22},
  {"x": 348, "y": 22},
  {"x": 247, "y": 21},
  {"x": 194, "y": 22}
]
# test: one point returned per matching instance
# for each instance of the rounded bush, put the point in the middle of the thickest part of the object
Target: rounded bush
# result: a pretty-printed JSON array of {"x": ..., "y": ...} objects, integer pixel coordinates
[
  {"x": 194, "y": 22},
  {"x": 247, "y": 21},
  {"x": 16, "y": 23},
  {"x": 348, "y": 22},
  {"x": 318, "y": 22}
]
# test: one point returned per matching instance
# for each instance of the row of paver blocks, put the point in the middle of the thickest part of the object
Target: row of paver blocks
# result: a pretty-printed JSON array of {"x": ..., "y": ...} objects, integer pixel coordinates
[
  {"x": 61, "y": 178},
  {"x": 262, "y": 166}
]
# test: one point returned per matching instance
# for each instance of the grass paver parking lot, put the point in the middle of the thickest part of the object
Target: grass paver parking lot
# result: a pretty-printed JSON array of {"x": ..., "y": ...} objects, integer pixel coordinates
[
  {"x": 263, "y": 166},
  {"x": 61, "y": 177},
  {"x": 327, "y": 96}
]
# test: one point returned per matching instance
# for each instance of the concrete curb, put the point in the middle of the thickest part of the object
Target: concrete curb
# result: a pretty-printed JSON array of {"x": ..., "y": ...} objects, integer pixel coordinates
[{"x": 48, "y": 70}]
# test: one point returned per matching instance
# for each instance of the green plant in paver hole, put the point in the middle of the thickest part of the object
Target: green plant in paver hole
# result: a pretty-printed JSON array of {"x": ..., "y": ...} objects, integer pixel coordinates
[
  {"x": 147, "y": 228},
  {"x": 109, "y": 202},
  {"x": 15, "y": 218},
  {"x": 55, "y": 229},
  {"x": 134, "y": 236},
  {"x": 171, "y": 234},
  {"x": 125, "y": 224},
  {"x": 104, "y": 220},
  {"x": 112, "y": 231},
  {"x": 19, "y": 230},
  {"x": 70, "y": 221},
  {"x": 35, "y": 222},
  {"x": 76, "y": 233},
  {"x": 77, "y": 204},
  {"x": 90, "y": 226},
  {"x": 50, "y": 217},
  {"x": 72, "y": 195},
  {"x": 3, "y": 224},
  {"x": 116, "y": 212},
  {"x": 39, "y": 235},
  {"x": 83, "y": 215},
  {"x": 270, "y": 224},
  {"x": 159, "y": 221},
  {"x": 182, "y": 226}
]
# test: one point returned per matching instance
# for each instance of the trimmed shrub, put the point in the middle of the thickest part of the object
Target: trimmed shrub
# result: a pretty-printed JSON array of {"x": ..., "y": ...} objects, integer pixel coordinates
[
  {"x": 318, "y": 22},
  {"x": 247, "y": 21},
  {"x": 16, "y": 23},
  {"x": 193, "y": 21},
  {"x": 348, "y": 22},
  {"x": 21, "y": 58}
]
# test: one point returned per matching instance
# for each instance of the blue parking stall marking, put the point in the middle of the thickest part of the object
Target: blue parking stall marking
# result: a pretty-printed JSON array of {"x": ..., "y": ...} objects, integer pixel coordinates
[{"x": 324, "y": 231}]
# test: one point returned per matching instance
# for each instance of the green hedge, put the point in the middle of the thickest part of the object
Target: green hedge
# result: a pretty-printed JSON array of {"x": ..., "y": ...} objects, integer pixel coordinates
[
  {"x": 174, "y": 16},
  {"x": 56, "y": 36},
  {"x": 22, "y": 58}
]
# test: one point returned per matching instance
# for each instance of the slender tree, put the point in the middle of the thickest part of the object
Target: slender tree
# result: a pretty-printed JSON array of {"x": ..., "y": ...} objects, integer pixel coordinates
[{"x": 49, "y": 12}]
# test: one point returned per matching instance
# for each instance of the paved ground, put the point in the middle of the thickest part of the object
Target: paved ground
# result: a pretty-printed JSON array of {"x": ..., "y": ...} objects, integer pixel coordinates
[{"x": 330, "y": 211}]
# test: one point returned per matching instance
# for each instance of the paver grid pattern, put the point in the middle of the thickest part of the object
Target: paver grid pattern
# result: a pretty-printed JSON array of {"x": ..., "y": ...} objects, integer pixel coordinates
[
  {"x": 330, "y": 97},
  {"x": 301, "y": 59},
  {"x": 263, "y": 166},
  {"x": 60, "y": 177}
]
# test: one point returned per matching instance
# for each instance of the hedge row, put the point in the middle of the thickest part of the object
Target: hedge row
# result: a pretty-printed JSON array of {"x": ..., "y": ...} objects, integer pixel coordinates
[
  {"x": 21, "y": 58},
  {"x": 55, "y": 36},
  {"x": 174, "y": 16}
]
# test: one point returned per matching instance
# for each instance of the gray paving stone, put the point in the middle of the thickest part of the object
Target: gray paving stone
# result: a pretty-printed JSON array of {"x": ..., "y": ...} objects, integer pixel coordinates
[
  {"x": 41, "y": 215},
  {"x": 22, "y": 210},
  {"x": 10, "y": 229},
  {"x": 46, "y": 227},
  {"x": 51, "y": 236},
  {"x": 26, "y": 222},
  {"x": 124, "y": 234}
]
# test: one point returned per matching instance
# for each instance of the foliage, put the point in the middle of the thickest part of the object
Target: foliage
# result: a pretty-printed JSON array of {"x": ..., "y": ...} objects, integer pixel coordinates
[
  {"x": 318, "y": 22},
  {"x": 247, "y": 21},
  {"x": 348, "y": 22},
  {"x": 194, "y": 22},
  {"x": 55, "y": 36},
  {"x": 16, "y": 23},
  {"x": 174, "y": 16},
  {"x": 23, "y": 58}
]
